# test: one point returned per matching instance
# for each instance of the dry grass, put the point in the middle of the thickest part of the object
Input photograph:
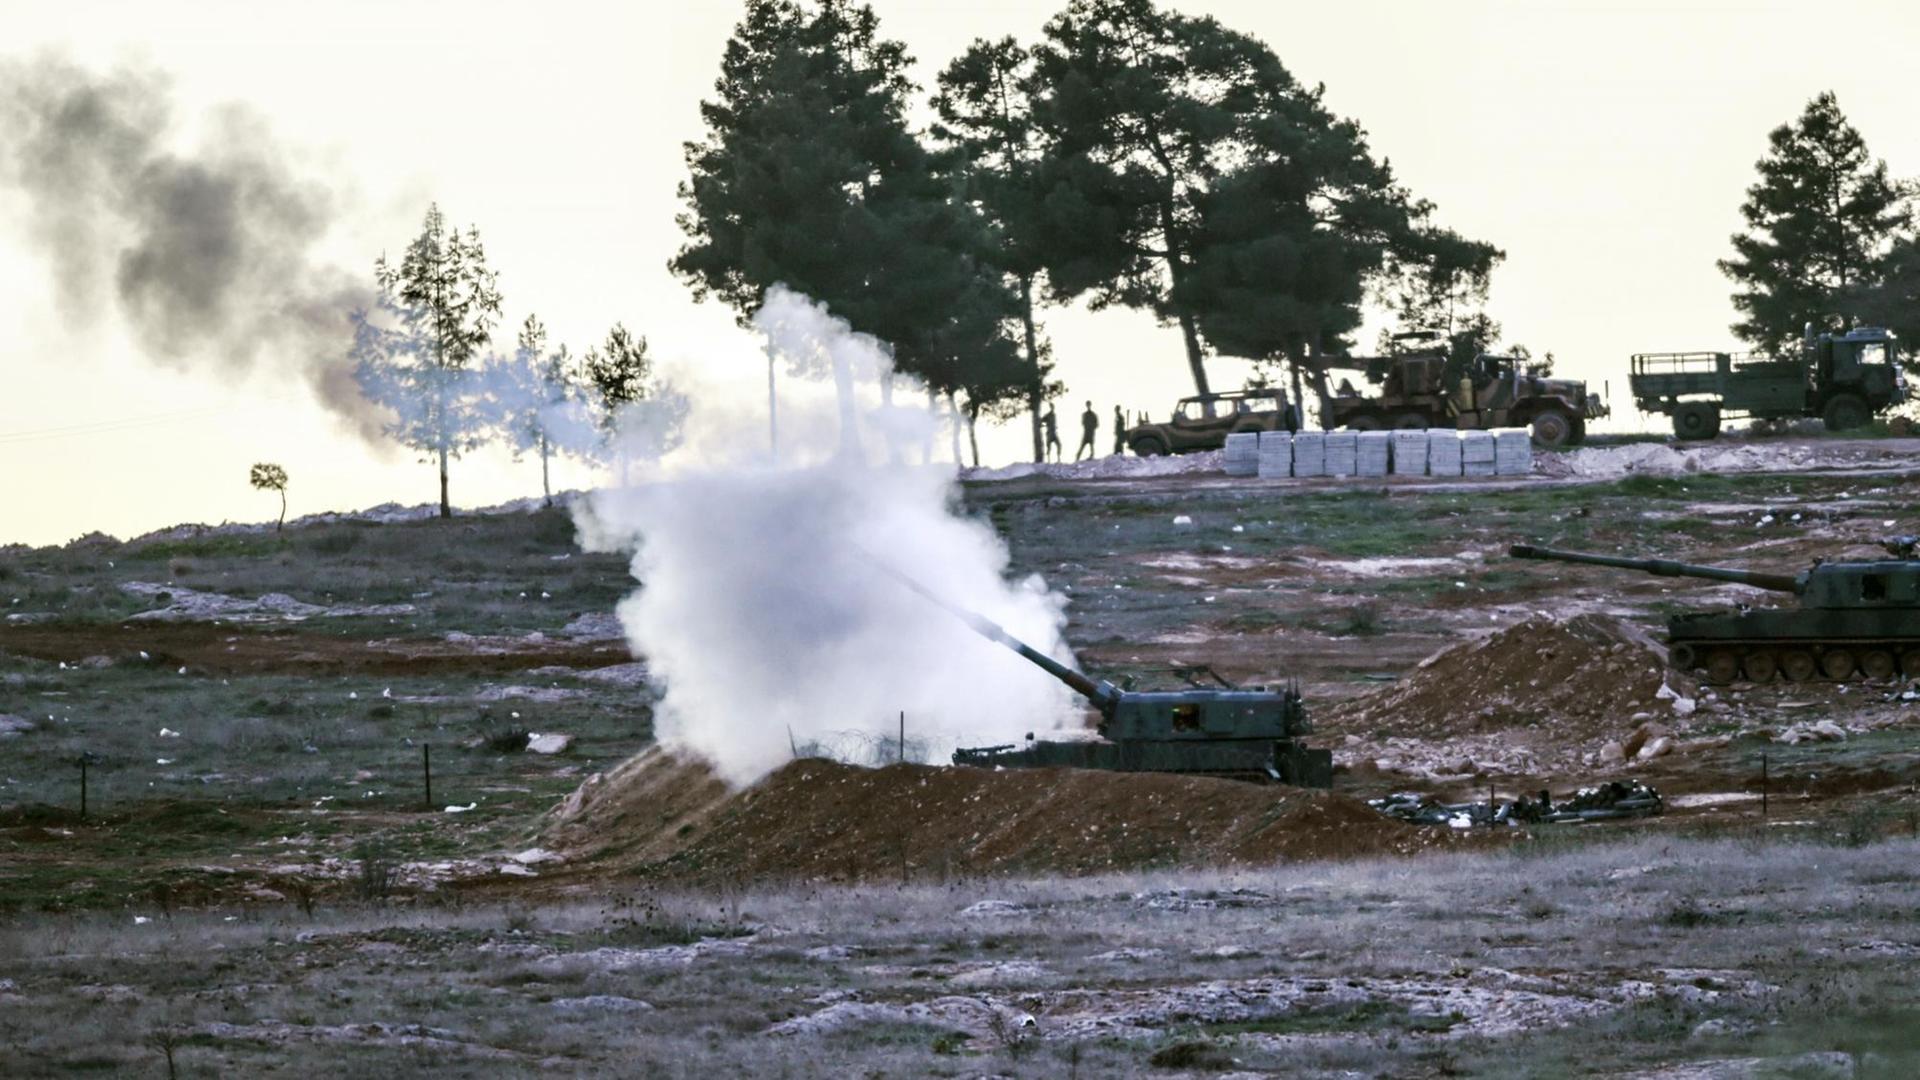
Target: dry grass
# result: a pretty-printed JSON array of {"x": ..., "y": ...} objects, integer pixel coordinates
[{"x": 1820, "y": 938}]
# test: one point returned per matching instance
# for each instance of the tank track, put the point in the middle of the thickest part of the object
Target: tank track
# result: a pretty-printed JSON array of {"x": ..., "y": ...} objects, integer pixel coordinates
[{"x": 1765, "y": 661}]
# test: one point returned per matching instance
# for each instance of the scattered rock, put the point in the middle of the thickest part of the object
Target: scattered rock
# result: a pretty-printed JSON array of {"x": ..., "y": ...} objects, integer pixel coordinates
[
  {"x": 1612, "y": 753},
  {"x": 14, "y": 725},
  {"x": 1659, "y": 747},
  {"x": 991, "y": 909},
  {"x": 611, "y": 1003},
  {"x": 550, "y": 743}
]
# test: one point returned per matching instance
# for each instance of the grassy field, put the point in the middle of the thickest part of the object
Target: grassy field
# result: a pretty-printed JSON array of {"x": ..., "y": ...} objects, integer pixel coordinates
[
  {"x": 260, "y": 882},
  {"x": 1593, "y": 958}
]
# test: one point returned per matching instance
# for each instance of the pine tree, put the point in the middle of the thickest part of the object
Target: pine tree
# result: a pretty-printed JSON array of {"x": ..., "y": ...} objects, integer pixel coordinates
[
  {"x": 538, "y": 400},
  {"x": 986, "y": 118},
  {"x": 1820, "y": 221},
  {"x": 437, "y": 311},
  {"x": 1189, "y": 173}
]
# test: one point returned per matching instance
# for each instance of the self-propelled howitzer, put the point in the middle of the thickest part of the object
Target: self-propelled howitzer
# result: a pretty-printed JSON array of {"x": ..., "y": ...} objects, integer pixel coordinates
[
  {"x": 1856, "y": 618},
  {"x": 1227, "y": 731}
]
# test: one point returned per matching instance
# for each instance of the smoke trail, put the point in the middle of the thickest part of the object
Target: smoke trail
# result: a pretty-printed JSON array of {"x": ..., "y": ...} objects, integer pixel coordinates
[
  {"x": 765, "y": 624},
  {"x": 209, "y": 256}
]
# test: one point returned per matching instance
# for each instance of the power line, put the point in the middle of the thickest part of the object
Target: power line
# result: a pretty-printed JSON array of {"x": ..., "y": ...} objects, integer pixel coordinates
[{"x": 103, "y": 427}]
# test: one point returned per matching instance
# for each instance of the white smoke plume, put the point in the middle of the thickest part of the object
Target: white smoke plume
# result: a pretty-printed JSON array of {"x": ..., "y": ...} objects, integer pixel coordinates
[
  {"x": 207, "y": 254},
  {"x": 761, "y": 612}
]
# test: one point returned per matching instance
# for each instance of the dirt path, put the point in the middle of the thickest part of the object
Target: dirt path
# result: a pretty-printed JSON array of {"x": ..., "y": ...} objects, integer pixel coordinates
[{"x": 227, "y": 650}]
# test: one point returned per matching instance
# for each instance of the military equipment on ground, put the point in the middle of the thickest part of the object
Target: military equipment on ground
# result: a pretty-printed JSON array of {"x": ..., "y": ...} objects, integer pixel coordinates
[
  {"x": 1205, "y": 421},
  {"x": 1611, "y": 801},
  {"x": 1842, "y": 378},
  {"x": 1856, "y": 618},
  {"x": 1247, "y": 734},
  {"x": 1418, "y": 390}
]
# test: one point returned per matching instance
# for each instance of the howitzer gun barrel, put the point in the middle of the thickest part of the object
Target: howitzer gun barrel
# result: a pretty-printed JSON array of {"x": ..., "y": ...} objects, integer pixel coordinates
[
  {"x": 1103, "y": 694},
  {"x": 1662, "y": 567}
]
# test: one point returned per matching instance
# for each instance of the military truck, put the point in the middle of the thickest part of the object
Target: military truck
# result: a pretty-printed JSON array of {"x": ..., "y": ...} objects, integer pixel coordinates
[
  {"x": 1203, "y": 422},
  {"x": 1842, "y": 378},
  {"x": 1417, "y": 391}
]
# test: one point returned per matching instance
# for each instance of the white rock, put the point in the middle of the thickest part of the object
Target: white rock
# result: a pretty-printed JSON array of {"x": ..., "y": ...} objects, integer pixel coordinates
[
  {"x": 1658, "y": 747},
  {"x": 550, "y": 743}
]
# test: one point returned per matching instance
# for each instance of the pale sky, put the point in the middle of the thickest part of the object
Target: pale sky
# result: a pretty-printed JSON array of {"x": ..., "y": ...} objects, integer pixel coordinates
[{"x": 1605, "y": 146}]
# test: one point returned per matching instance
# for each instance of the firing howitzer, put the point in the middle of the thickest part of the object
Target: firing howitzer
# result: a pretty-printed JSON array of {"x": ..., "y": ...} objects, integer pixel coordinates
[{"x": 1243, "y": 733}]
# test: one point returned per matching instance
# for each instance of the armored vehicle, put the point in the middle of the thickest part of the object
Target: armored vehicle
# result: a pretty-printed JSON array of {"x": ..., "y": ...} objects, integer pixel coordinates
[
  {"x": 1856, "y": 618},
  {"x": 1247, "y": 734},
  {"x": 1421, "y": 387},
  {"x": 1204, "y": 422},
  {"x": 1842, "y": 378}
]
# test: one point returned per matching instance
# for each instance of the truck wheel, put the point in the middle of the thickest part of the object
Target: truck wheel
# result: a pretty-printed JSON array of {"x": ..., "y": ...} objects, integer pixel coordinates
[
  {"x": 1552, "y": 429},
  {"x": 1148, "y": 446},
  {"x": 1364, "y": 423},
  {"x": 1410, "y": 421},
  {"x": 1696, "y": 420},
  {"x": 1845, "y": 413}
]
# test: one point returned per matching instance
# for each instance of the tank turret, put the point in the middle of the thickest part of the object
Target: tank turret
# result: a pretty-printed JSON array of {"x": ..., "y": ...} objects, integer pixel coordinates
[
  {"x": 1853, "y": 618},
  {"x": 1247, "y": 733}
]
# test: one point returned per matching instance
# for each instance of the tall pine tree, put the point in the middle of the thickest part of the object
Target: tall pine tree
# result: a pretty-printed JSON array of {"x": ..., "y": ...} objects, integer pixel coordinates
[
  {"x": 1819, "y": 223},
  {"x": 439, "y": 306}
]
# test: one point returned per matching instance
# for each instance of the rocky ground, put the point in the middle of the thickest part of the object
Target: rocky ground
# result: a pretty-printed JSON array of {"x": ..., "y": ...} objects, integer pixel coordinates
[{"x": 261, "y": 876}]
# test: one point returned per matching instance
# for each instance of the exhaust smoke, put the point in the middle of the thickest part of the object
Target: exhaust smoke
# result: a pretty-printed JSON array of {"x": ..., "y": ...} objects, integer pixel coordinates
[
  {"x": 208, "y": 256},
  {"x": 761, "y": 616}
]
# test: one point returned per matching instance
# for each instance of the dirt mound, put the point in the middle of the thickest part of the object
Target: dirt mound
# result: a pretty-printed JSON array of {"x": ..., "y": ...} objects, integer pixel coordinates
[
  {"x": 1575, "y": 680},
  {"x": 816, "y": 819}
]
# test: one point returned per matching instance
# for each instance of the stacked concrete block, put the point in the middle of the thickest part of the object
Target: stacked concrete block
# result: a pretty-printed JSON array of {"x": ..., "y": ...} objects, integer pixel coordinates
[
  {"x": 1443, "y": 452},
  {"x": 1410, "y": 452},
  {"x": 1243, "y": 454},
  {"x": 1512, "y": 451},
  {"x": 1373, "y": 451},
  {"x": 1476, "y": 453},
  {"x": 1310, "y": 453},
  {"x": 1341, "y": 450},
  {"x": 1276, "y": 455}
]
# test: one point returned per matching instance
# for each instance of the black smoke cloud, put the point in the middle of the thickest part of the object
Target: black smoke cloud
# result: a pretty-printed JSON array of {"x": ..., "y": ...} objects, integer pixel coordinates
[{"x": 208, "y": 256}]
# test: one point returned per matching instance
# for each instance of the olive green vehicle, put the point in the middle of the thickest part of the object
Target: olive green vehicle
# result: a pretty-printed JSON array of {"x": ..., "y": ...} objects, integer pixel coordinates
[
  {"x": 1205, "y": 421},
  {"x": 1421, "y": 387},
  {"x": 1842, "y": 378},
  {"x": 1856, "y": 619},
  {"x": 1226, "y": 731}
]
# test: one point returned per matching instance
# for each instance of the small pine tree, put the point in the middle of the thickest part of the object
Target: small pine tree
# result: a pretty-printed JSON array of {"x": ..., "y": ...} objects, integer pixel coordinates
[{"x": 267, "y": 476}]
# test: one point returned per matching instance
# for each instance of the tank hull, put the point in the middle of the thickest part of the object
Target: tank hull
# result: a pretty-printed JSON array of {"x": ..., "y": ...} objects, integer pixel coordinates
[
  {"x": 1262, "y": 760},
  {"x": 1797, "y": 645}
]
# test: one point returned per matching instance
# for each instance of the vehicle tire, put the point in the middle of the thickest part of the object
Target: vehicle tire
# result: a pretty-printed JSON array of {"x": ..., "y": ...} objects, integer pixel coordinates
[
  {"x": 1837, "y": 664},
  {"x": 1364, "y": 423},
  {"x": 1148, "y": 446},
  {"x": 1552, "y": 428},
  {"x": 1760, "y": 666},
  {"x": 1412, "y": 421},
  {"x": 1910, "y": 663},
  {"x": 1877, "y": 665},
  {"x": 1696, "y": 420},
  {"x": 1796, "y": 665},
  {"x": 1723, "y": 666},
  {"x": 1845, "y": 412}
]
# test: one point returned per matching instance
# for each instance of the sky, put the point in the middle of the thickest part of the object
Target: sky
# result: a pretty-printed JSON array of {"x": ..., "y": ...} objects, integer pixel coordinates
[{"x": 1605, "y": 146}]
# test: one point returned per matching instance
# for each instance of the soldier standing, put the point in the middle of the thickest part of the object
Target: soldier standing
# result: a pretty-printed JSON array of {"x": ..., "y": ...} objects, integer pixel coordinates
[
  {"x": 1119, "y": 431},
  {"x": 1089, "y": 426},
  {"x": 1052, "y": 423}
]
